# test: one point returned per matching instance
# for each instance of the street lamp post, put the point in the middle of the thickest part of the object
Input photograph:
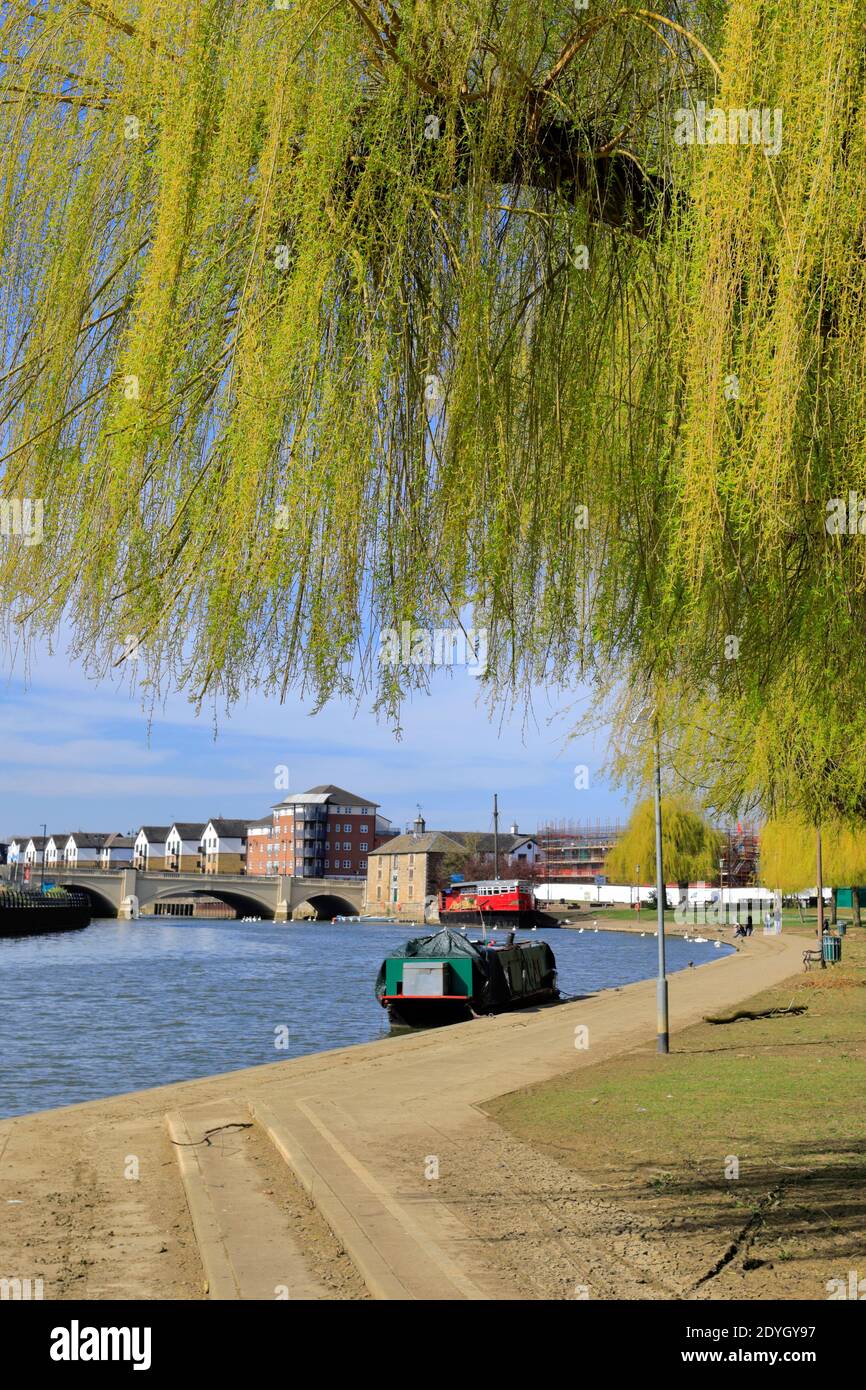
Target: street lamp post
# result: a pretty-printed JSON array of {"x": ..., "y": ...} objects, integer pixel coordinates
[
  {"x": 662, "y": 1024},
  {"x": 820, "y": 877}
]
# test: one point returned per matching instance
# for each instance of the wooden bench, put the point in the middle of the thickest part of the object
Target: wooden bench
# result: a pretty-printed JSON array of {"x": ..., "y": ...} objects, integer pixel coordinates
[{"x": 811, "y": 958}]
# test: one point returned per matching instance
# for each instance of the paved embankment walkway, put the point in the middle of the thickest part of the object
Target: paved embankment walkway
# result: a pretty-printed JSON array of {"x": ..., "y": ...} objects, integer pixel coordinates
[{"x": 97, "y": 1199}]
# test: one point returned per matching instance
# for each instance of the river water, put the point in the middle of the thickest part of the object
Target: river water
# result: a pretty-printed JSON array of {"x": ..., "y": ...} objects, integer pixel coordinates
[{"x": 122, "y": 1006}]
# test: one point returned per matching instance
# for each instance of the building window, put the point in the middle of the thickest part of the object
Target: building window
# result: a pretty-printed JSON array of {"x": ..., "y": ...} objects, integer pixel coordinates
[
  {"x": 364, "y": 865},
  {"x": 347, "y": 829},
  {"x": 327, "y": 863},
  {"x": 363, "y": 829},
  {"x": 363, "y": 846},
  {"x": 347, "y": 863},
  {"x": 347, "y": 844}
]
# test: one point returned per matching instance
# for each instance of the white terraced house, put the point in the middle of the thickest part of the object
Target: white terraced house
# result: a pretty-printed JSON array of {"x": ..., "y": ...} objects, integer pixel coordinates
[
  {"x": 55, "y": 851},
  {"x": 34, "y": 850},
  {"x": 83, "y": 849},
  {"x": 183, "y": 847},
  {"x": 117, "y": 852},
  {"x": 224, "y": 846},
  {"x": 149, "y": 850}
]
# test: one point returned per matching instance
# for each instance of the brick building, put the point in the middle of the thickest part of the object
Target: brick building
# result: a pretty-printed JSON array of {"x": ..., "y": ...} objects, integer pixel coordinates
[
  {"x": 406, "y": 871},
  {"x": 326, "y": 832}
]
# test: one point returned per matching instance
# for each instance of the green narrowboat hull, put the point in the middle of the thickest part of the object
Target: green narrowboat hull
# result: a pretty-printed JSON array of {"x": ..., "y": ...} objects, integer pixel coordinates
[{"x": 446, "y": 978}]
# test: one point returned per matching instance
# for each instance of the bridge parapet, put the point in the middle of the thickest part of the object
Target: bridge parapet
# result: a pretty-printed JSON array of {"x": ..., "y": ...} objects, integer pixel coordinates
[{"x": 132, "y": 892}]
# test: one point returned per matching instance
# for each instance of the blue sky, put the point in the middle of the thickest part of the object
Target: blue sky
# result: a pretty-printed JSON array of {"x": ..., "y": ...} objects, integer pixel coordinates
[{"x": 80, "y": 755}]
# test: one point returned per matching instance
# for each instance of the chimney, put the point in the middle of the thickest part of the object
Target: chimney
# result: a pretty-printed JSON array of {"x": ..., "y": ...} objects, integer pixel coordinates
[{"x": 514, "y": 829}]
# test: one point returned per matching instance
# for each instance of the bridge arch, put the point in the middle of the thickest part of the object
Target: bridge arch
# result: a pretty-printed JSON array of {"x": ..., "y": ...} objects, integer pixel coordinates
[
  {"x": 101, "y": 904},
  {"x": 327, "y": 905},
  {"x": 244, "y": 904}
]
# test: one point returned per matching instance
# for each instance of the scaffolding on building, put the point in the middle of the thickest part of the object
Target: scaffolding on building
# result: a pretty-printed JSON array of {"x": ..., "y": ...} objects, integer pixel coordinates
[
  {"x": 738, "y": 863},
  {"x": 577, "y": 849}
]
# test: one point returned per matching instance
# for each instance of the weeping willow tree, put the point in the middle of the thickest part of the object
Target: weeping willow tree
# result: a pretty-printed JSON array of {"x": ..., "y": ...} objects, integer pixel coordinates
[
  {"x": 788, "y": 856},
  {"x": 690, "y": 845},
  {"x": 324, "y": 317}
]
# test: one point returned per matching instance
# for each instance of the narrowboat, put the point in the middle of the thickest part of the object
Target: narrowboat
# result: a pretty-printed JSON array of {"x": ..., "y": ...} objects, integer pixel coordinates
[
  {"x": 493, "y": 903},
  {"x": 446, "y": 978},
  {"x": 24, "y": 912}
]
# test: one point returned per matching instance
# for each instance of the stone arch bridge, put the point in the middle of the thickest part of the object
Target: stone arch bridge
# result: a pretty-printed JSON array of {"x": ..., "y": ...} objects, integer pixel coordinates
[{"x": 126, "y": 893}]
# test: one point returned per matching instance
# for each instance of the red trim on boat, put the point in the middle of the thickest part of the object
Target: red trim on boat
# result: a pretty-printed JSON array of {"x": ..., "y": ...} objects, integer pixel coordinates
[{"x": 389, "y": 997}]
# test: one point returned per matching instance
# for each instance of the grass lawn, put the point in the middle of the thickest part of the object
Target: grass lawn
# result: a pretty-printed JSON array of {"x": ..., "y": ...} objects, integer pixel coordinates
[{"x": 780, "y": 1101}]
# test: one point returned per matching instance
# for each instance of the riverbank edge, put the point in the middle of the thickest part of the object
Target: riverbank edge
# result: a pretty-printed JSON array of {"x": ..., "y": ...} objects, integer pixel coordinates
[{"x": 90, "y": 1135}]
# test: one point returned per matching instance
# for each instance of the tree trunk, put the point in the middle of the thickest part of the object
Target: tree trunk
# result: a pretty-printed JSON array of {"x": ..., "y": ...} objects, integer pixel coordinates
[
  {"x": 855, "y": 906},
  {"x": 834, "y": 907},
  {"x": 553, "y": 155}
]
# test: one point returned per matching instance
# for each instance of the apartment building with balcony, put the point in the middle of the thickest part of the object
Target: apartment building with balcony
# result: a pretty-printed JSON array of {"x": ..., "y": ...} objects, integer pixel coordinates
[{"x": 326, "y": 832}]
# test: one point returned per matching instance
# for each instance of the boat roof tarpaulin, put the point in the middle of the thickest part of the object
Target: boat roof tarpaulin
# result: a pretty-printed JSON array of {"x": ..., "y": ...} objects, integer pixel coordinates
[{"x": 438, "y": 946}]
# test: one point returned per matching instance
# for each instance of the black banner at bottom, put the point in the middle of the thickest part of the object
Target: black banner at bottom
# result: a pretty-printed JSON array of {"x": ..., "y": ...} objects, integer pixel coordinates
[{"x": 203, "y": 1338}]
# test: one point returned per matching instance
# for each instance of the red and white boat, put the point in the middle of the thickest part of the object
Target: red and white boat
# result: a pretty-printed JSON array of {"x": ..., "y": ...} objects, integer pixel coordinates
[{"x": 492, "y": 903}]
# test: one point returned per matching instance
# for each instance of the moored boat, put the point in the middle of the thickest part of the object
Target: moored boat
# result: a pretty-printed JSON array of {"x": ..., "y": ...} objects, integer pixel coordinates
[
  {"x": 24, "y": 912},
  {"x": 445, "y": 978},
  {"x": 492, "y": 903}
]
